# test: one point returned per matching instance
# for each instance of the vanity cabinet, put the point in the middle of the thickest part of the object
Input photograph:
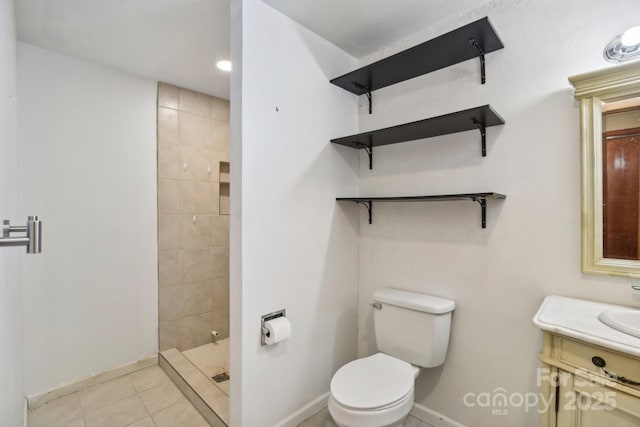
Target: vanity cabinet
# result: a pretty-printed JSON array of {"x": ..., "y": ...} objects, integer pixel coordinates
[{"x": 576, "y": 392}]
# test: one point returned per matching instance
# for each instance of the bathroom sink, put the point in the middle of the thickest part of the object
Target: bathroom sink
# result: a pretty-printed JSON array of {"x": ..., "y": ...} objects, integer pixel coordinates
[
  {"x": 583, "y": 320},
  {"x": 627, "y": 321}
]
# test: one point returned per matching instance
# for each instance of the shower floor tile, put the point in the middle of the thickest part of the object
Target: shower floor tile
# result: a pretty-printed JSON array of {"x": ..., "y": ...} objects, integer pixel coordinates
[
  {"x": 212, "y": 359},
  {"x": 146, "y": 398}
]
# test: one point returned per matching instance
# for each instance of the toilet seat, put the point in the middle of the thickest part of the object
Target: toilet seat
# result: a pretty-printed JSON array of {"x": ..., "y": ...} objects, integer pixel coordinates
[{"x": 373, "y": 383}]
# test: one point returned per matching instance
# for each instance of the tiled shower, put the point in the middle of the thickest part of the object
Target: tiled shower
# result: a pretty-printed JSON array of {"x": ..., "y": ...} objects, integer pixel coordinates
[{"x": 193, "y": 220}]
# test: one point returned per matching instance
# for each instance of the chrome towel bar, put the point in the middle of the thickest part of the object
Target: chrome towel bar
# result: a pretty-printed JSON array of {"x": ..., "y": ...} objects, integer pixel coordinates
[{"x": 32, "y": 240}]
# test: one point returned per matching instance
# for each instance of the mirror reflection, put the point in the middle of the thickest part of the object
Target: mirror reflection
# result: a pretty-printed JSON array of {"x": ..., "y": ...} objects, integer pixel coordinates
[{"x": 621, "y": 179}]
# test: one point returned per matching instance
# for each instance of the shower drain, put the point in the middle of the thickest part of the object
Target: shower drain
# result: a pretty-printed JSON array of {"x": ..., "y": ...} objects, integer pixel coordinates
[{"x": 221, "y": 377}]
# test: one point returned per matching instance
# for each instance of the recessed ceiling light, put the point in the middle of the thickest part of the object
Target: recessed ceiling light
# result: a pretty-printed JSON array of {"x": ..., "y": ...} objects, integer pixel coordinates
[{"x": 224, "y": 65}]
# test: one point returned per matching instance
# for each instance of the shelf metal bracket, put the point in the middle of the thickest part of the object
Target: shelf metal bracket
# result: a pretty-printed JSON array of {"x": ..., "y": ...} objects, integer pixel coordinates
[
  {"x": 480, "y": 51},
  {"x": 483, "y": 133},
  {"x": 369, "y": 150},
  {"x": 367, "y": 204},
  {"x": 367, "y": 92},
  {"x": 483, "y": 205}
]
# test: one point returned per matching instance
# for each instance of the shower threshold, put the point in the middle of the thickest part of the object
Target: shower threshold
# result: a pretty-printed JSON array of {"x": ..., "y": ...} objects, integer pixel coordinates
[{"x": 193, "y": 371}]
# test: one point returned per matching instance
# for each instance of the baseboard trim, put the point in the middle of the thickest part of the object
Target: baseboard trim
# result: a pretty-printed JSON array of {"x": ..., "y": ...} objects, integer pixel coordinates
[
  {"x": 305, "y": 412},
  {"x": 25, "y": 413},
  {"x": 37, "y": 400},
  {"x": 432, "y": 417}
]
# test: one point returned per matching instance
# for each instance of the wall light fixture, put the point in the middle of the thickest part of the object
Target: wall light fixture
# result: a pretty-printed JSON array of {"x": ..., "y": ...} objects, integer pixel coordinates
[{"x": 624, "y": 47}]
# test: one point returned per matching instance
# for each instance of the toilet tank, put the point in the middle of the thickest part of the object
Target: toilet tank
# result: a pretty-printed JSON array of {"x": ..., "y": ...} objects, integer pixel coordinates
[{"x": 411, "y": 326}]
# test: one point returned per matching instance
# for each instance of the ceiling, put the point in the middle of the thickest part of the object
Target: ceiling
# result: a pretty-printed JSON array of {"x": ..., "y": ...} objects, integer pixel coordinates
[
  {"x": 361, "y": 27},
  {"x": 180, "y": 41},
  {"x": 175, "y": 41}
]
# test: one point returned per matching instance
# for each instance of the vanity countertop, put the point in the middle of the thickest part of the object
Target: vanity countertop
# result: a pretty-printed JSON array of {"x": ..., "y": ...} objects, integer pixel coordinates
[{"x": 577, "y": 318}]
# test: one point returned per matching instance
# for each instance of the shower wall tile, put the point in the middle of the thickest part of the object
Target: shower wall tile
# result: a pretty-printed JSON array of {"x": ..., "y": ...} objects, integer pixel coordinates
[
  {"x": 168, "y": 335},
  {"x": 220, "y": 293},
  {"x": 196, "y": 265},
  {"x": 168, "y": 197},
  {"x": 168, "y": 96},
  {"x": 220, "y": 231},
  {"x": 168, "y": 299},
  {"x": 197, "y": 164},
  {"x": 195, "y": 131},
  {"x": 168, "y": 268},
  {"x": 219, "y": 135},
  {"x": 196, "y": 298},
  {"x": 168, "y": 232},
  {"x": 219, "y": 262},
  {"x": 220, "y": 322},
  {"x": 168, "y": 161},
  {"x": 220, "y": 157},
  {"x": 220, "y": 109},
  {"x": 194, "y": 197},
  {"x": 217, "y": 157},
  {"x": 195, "y": 232},
  {"x": 168, "y": 126},
  {"x": 215, "y": 199},
  {"x": 193, "y": 258},
  {"x": 194, "y": 331},
  {"x": 195, "y": 103}
]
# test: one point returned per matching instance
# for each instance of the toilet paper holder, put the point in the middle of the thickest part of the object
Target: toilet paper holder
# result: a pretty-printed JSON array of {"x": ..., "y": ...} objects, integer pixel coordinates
[{"x": 264, "y": 332}]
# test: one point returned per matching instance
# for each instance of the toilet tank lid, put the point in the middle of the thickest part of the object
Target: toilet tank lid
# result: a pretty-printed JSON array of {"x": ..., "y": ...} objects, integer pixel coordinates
[{"x": 414, "y": 301}]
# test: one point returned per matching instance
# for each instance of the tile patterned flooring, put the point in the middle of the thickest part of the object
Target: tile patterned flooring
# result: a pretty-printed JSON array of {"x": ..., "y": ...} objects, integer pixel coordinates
[
  {"x": 146, "y": 398},
  {"x": 323, "y": 419}
]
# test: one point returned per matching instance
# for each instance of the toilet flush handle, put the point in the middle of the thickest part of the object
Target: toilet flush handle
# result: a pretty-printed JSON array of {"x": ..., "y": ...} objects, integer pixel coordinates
[{"x": 376, "y": 305}]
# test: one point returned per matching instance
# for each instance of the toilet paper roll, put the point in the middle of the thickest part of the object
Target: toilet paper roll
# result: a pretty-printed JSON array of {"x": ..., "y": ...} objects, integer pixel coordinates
[{"x": 279, "y": 330}]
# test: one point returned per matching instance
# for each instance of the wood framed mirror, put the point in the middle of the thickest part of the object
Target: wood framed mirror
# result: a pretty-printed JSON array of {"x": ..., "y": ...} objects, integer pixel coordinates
[{"x": 610, "y": 168}]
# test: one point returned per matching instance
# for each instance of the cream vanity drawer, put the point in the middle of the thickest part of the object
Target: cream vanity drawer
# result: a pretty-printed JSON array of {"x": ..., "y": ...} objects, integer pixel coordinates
[{"x": 581, "y": 356}]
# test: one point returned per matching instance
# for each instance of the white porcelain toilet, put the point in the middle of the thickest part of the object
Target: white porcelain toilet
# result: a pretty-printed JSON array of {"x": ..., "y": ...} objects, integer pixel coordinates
[{"x": 412, "y": 332}]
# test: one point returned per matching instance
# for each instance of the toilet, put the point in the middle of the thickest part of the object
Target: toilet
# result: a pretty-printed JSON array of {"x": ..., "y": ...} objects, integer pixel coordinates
[{"x": 412, "y": 332}]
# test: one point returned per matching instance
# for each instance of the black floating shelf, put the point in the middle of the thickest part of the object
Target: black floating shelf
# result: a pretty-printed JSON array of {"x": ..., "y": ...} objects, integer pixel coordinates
[
  {"x": 471, "y": 41},
  {"x": 474, "y": 118},
  {"x": 481, "y": 198}
]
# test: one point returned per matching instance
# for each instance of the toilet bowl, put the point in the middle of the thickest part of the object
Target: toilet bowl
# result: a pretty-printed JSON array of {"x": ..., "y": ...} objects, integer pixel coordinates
[
  {"x": 412, "y": 332},
  {"x": 375, "y": 391}
]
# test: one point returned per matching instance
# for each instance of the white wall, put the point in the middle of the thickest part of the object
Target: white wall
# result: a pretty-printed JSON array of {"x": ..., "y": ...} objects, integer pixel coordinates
[
  {"x": 299, "y": 248},
  {"x": 88, "y": 143},
  {"x": 11, "y": 391},
  {"x": 531, "y": 246}
]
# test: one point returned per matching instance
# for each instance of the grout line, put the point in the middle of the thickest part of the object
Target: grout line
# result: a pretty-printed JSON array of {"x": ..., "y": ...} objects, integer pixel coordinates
[
  {"x": 145, "y": 408},
  {"x": 120, "y": 398},
  {"x": 84, "y": 421}
]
